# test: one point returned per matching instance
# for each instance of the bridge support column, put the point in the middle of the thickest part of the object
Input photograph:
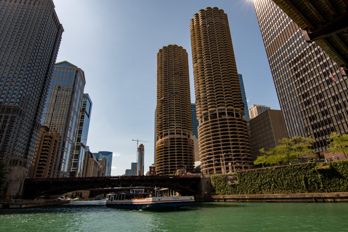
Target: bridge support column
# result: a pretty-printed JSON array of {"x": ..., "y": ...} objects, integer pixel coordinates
[
  {"x": 14, "y": 180},
  {"x": 206, "y": 189}
]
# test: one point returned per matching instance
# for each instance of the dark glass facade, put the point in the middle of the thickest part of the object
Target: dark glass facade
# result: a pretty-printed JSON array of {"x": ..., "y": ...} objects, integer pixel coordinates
[
  {"x": 245, "y": 101},
  {"x": 311, "y": 90},
  {"x": 62, "y": 110},
  {"x": 108, "y": 156},
  {"x": 29, "y": 42},
  {"x": 81, "y": 138},
  {"x": 195, "y": 122}
]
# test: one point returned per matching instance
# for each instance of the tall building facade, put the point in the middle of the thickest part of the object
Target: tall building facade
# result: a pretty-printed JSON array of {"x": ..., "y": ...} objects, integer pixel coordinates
[
  {"x": 134, "y": 169},
  {"x": 311, "y": 89},
  {"x": 81, "y": 137},
  {"x": 223, "y": 135},
  {"x": 174, "y": 147},
  {"x": 108, "y": 156},
  {"x": 62, "y": 110},
  {"x": 245, "y": 100},
  {"x": 266, "y": 130},
  {"x": 29, "y": 43},
  {"x": 195, "y": 122},
  {"x": 140, "y": 162},
  {"x": 255, "y": 110},
  {"x": 194, "y": 136},
  {"x": 46, "y": 152}
]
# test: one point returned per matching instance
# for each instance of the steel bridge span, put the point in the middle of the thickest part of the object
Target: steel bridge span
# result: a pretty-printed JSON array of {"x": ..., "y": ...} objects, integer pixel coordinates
[{"x": 184, "y": 184}]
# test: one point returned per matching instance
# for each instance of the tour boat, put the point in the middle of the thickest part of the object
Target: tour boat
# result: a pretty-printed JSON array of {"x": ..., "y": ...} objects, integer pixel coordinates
[{"x": 139, "y": 199}]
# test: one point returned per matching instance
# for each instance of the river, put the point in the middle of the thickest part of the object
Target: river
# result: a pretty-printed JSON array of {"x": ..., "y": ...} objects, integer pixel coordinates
[{"x": 198, "y": 217}]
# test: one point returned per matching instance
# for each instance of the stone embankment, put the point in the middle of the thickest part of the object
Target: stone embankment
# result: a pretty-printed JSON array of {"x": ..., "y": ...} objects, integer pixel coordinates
[
  {"x": 20, "y": 203},
  {"x": 296, "y": 197}
]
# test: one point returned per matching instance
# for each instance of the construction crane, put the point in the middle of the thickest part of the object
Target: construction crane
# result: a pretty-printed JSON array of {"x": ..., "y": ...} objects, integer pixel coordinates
[{"x": 139, "y": 141}]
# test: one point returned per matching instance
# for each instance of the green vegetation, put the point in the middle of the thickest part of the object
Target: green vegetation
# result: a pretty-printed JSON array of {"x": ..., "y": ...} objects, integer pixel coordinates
[
  {"x": 300, "y": 178},
  {"x": 288, "y": 151},
  {"x": 338, "y": 143}
]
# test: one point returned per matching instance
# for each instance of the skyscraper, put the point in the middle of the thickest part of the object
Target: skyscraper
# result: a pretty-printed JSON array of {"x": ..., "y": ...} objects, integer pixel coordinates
[
  {"x": 174, "y": 147},
  {"x": 140, "y": 161},
  {"x": 195, "y": 122},
  {"x": 29, "y": 42},
  {"x": 46, "y": 152},
  {"x": 108, "y": 156},
  {"x": 223, "y": 135},
  {"x": 311, "y": 90},
  {"x": 134, "y": 169},
  {"x": 266, "y": 130},
  {"x": 194, "y": 136},
  {"x": 245, "y": 101},
  {"x": 255, "y": 110},
  {"x": 62, "y": 110},
  {"x": 81, "y": 138}
]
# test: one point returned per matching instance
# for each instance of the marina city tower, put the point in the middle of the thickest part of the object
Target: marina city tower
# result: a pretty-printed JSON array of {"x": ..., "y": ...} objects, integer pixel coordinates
[
  {"x": 174, "y": 147},
  {"x": 223, "y": 136}
]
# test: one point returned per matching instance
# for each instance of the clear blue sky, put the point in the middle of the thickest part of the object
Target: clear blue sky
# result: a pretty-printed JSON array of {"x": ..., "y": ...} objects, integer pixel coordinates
[{"x": 116, "y": 42}]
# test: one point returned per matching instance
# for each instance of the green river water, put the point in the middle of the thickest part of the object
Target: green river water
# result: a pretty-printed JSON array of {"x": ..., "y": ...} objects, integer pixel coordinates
[{"x": 198, "y": 217}]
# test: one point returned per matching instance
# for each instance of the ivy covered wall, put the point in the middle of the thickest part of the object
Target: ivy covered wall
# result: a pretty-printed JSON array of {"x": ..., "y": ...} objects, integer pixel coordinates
[{"x": 301, "y": 178}]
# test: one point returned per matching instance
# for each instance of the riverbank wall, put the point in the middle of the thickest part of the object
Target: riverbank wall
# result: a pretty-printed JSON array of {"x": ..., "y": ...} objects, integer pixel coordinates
[
  {"x": 21, "y": 204},
  {"x": 299, "y": 181},
  {"x": 296, "y": 197}
]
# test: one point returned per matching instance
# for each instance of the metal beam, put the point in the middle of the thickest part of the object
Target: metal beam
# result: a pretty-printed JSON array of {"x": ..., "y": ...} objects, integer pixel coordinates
[
  {"x": 339, "y": 24},
  {"x": 298, "y": 12}
]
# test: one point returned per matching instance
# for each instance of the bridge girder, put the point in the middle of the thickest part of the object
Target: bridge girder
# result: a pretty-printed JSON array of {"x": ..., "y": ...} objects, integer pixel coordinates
[{"x": 186, "y": 185}]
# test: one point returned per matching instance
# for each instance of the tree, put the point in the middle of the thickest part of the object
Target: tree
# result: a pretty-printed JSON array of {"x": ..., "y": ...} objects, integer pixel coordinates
[
  {"x": 261, "y": 159},
  {"x": 301, "y": 146},
  {"x": 288, "y": 150},
  {"x": 338, "y": 143}
]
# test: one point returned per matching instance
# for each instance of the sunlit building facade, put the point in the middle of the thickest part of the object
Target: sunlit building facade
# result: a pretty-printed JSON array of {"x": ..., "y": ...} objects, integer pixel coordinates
[
  {"x": 46, "y": 152},
  {"x": 311, "y": 89},
  {"x": 174, "y": 147},
  {"x": 223, "y": 135},
  {"x": 140, "y": 161},
  {"x": 62, "y": 110},
  {"x": 255, "y": 110}
]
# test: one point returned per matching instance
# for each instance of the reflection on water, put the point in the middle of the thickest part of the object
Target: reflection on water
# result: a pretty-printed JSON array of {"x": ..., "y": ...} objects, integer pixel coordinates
[{"x": 197, "y": 217}]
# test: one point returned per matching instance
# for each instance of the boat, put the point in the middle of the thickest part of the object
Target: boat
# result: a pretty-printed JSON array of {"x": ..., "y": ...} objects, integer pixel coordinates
[{"x": 141, "y": 200}]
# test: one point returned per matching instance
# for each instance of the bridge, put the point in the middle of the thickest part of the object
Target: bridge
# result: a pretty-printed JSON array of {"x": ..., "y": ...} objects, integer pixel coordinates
[{"x": 184, "y": 184}]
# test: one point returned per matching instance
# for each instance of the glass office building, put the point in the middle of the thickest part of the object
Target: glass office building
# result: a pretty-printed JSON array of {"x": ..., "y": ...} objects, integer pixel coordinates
[
  {"x": 245, "y": 101},
  {"x": 195, "y": 122},
  {"x": 81, "y": 138},
  {"x": 108, "y": 155},
  {"x": 29, "y": 42},
  {"x": 62, "y": 110},
  {"x": 311, "y": 89}
]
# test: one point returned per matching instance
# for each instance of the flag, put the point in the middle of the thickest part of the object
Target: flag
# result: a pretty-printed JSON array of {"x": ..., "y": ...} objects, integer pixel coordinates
[{"x": 332, "y": 76}]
